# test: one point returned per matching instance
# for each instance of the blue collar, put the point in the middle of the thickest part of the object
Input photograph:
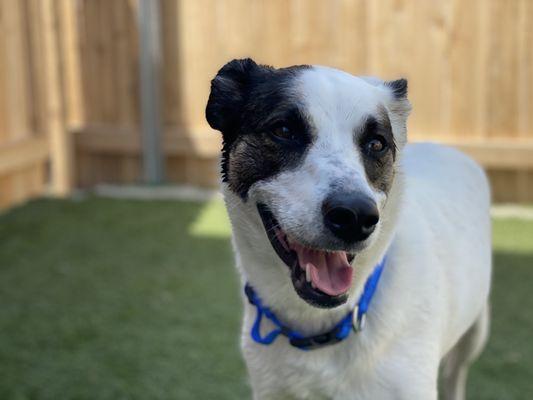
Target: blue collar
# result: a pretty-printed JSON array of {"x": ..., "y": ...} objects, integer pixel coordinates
[{"x": 355, "y": 319}]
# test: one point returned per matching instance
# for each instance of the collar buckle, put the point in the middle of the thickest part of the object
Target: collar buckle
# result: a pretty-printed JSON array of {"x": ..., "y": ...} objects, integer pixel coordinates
[{"x": 358, "y": 322}]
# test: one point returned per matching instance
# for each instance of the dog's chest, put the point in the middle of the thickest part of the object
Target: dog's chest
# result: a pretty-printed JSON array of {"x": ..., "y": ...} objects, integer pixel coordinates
[{"x": 336, "y": 372}]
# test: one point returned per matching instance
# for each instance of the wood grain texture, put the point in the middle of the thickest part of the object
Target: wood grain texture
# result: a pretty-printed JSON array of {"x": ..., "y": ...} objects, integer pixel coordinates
[{"x": 61, "y": 150}]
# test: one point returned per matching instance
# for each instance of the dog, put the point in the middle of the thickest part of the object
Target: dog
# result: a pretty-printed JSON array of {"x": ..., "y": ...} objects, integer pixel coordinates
[{"x": 366, "y": 261}]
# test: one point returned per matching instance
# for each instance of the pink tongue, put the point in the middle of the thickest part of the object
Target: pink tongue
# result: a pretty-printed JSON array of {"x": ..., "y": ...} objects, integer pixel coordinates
[{"x": 330, "y": 272}]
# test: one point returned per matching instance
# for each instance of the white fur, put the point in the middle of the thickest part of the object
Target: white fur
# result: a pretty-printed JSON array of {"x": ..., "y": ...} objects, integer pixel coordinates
[{"x": 434, "y": 226}]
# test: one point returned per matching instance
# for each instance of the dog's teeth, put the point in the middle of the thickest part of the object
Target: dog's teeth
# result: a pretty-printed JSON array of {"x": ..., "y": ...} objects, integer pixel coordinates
[{"x": 308, "y": 272}]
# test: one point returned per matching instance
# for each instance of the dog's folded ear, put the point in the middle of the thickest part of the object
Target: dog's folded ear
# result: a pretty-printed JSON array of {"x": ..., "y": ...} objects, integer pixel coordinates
[
  {"x": 398, "y": 87},
  {"x": 400, "y": 104},
  {"x": 400, "y": 108},
  {"x": 228, "y": 92}
]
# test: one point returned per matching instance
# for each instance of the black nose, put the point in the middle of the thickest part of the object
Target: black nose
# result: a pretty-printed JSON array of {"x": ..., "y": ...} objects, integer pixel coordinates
[{"x": 350, "y": 217}]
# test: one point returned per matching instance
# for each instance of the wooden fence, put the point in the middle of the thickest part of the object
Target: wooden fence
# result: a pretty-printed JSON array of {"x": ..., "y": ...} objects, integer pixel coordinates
[
  {"x": 69, "y": 87},
  {"x": 34, "y": 146}
]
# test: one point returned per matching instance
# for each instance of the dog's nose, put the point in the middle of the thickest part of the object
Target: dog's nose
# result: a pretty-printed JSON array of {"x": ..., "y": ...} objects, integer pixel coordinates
[{"x": 351, "y": 218}]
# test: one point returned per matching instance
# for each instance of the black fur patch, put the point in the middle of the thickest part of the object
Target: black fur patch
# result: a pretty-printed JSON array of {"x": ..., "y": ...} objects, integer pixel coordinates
[
  {"x": 246, "y": 103},
  {"x": 379, "y": 170},
  {"x": 399, "y": 87}
]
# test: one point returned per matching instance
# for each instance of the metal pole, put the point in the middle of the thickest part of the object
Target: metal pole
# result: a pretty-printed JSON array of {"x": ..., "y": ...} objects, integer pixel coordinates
[{"x": 150, "y": 68}]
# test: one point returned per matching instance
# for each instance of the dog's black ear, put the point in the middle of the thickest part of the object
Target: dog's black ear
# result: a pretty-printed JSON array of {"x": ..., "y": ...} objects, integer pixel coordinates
[
  {"x": 399, "y": 108},
  {"x": 228, "y": 92},
  {"x": 398, "y": 87}
]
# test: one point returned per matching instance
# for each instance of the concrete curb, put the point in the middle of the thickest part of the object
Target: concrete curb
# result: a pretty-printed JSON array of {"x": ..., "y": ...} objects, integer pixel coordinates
[
  {"x": 164, "y": 192},
  {"x": 512, "y": 211}
]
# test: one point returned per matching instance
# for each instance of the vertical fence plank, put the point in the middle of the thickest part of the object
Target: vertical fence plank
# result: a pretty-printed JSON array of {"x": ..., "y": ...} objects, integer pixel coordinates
[
  {"x": 69, "y": 52},
  {"x": 465, "y": 61},
  {"x": 61, "y": 149},
  {"x": 34, "y": 58},
  {"x": 502, "y": 67},
  {"x": 124, "y": 62},
  {"x": 4, "y": 127},
  {"x": 18, "y": 105},
  {"x": 525, "y": 68}
]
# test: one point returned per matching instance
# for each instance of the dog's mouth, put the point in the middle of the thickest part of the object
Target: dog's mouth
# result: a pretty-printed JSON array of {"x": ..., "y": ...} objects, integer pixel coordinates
[{"x": 321, "y": 277}]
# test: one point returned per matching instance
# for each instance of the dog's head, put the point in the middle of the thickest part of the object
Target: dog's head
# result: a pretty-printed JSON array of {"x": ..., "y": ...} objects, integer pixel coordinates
[{"x": 311, "y": 153}]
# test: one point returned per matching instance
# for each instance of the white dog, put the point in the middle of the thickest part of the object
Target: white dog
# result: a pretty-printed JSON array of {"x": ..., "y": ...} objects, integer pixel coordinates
[{"x": 366, "y": 261}]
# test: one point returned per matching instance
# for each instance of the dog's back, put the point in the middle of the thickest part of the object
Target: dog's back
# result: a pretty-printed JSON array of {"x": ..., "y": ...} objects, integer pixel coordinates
[
  {"x": 447, "y": 205},
  {"x": 445, "y": 221}
]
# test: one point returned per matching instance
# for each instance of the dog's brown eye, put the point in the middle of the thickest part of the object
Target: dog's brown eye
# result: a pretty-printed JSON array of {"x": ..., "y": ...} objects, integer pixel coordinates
[
  {"x": 375, "y": 146},
  {"x": 282, "y": 132}
]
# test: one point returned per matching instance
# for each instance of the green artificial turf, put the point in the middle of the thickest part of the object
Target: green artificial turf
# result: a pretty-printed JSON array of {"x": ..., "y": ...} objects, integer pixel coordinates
[{"x": 109, "y": 299}]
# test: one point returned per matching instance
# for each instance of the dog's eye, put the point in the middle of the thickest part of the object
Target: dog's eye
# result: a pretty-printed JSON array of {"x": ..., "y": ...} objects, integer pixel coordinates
[
  {"x": 375, "y": 145},
  {"x": 283, "y": 133}
]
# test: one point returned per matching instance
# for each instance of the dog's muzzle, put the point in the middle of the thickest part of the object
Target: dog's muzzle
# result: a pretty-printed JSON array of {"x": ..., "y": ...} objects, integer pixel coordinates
[{"x": 321, "y": 277}]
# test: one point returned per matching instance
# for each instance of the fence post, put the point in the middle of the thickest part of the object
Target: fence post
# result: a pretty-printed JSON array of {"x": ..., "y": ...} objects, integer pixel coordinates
[
  {"x": 61, "y": 146},
  {"x": 150, "y": 68}
]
